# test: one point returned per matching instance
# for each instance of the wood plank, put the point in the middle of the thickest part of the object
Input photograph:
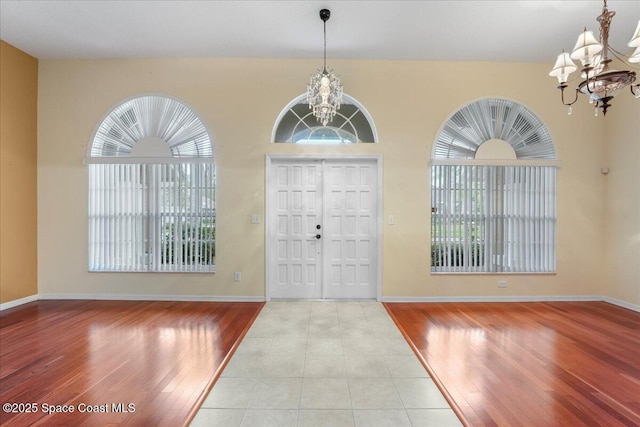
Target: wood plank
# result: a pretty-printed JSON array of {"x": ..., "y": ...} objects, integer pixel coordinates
[
  {"x": 161, "y": 356},
  {"x": 530, "y": 364}
]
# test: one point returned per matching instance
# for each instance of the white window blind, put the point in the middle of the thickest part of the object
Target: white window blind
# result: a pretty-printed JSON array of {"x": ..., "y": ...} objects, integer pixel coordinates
[
  {"x": 493, "y": 218},
  {"x": 152, "y": 217}
]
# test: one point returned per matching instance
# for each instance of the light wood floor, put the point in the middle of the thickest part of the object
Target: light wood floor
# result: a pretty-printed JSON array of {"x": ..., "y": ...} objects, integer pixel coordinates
[
  {"x": 530, "y": 364},
  {"x": 161, "y": 357}
]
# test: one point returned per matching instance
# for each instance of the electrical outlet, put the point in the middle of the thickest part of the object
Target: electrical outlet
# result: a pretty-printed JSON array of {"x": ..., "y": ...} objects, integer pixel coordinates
[
  {"x": 255, "y": 219},
  {"x": 237, "y": 276},
  {"x": 502, "y": 283}
]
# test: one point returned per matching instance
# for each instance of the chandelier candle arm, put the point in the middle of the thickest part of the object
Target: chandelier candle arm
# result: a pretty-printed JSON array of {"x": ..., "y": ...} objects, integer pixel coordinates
[
  {"x": 324, "y": 92},
  {"x": 600, "y": 83}
]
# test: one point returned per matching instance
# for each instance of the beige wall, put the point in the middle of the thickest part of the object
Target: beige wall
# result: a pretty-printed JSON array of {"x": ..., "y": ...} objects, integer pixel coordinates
[
  {"x": 622, "y": 200},
  {"x": 18, "y": 143},
  {"x": 239, "y": 99}
]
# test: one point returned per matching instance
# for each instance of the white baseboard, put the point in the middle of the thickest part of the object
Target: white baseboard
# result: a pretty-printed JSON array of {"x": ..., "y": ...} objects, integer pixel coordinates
[
  {"x": 497, "y": 298},
  {"x": 17, "y": 302},
  {"x": 623, "y": 304},
  {"x": 134, "y": 297},
  {"x": 569, "y": 298},
  {"x": 218, "y": 298}
]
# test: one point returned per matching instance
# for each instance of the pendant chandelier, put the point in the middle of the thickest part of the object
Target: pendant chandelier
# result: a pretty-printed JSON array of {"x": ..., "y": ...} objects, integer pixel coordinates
[
  {"x": 324, "y": 92},
  {"x": 600, "y": 82}
]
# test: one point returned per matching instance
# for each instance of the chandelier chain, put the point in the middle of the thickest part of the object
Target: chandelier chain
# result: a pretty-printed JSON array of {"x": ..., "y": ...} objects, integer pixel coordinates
[{"x": 324, "y": 64}]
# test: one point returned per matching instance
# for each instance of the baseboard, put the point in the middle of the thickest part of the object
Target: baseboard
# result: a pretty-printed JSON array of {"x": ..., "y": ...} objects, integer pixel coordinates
[
  {"x": 543, "y": 298},
  {"x": 623, "y": 304},
  {"x": 134, "y": 297},
  {"x": 17, "y": 302},
  {"x": 550, "y": 298},
  {"x": 219, "y": 298}
]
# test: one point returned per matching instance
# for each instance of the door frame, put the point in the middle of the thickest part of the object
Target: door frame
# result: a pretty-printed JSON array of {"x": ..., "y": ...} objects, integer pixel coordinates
[{"x": 270, "y": 232}]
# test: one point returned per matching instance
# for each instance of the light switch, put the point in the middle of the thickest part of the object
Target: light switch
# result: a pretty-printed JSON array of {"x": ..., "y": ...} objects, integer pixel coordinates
[{"x": 391, "y": 220}]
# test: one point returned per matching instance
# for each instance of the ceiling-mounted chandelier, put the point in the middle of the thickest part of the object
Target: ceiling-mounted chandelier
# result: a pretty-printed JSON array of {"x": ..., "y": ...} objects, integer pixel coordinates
[
  {"x": 600, "y": 83},
  {"x": 324, "y": 92}
]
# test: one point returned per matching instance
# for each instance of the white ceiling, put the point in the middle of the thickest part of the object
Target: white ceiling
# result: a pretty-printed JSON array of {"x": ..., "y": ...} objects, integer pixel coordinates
[{"x": 520, "y": 31}]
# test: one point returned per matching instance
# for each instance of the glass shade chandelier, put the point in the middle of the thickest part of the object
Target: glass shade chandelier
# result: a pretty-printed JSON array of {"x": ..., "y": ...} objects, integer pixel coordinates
[
  {"x": 324, "y": 92},
  {"x": 600, "y": 82}
]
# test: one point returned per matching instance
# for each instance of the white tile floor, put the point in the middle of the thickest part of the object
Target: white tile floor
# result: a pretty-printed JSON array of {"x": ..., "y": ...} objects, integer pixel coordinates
[{"x": 324, "y": 364}]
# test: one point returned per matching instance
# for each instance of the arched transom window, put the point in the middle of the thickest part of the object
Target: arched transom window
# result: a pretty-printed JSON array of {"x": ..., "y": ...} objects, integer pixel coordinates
[
  {"x": 493, "y": 191},
  {"x": 352, "y": 124},
  {"x": 151, "y": 189}
]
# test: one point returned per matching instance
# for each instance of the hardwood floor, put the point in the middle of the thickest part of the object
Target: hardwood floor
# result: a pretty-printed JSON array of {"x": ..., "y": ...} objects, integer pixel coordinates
[
  {"x": 530, "y": 364},
  {"x": 158, "y": 359}
]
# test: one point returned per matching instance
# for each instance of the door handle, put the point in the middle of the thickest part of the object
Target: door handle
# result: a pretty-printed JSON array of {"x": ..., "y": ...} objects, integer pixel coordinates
[{"x": 318, "y": 236}]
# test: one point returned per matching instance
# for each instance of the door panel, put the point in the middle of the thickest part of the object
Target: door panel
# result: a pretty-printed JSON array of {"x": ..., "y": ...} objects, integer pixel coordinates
[
  {"x": 340, "y": 196},
  {"x": 298, "y": 201},
  {"x": 349, "y": 251}
]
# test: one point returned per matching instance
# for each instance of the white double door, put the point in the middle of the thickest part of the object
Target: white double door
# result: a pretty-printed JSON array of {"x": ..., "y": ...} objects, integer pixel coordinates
[{"x": 323, "y": 229}]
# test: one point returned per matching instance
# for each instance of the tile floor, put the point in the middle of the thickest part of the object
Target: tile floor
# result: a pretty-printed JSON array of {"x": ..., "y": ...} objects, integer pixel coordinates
[{"x": 324, "y": 363}]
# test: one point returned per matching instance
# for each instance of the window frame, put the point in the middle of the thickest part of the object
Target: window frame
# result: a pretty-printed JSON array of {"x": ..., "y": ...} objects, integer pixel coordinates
[
  {"x": 495, "y": 226},
  {"x": 163, "y": 216},
  {"x": 461, "y": 154},
  {"x": 346, "y": 100}
]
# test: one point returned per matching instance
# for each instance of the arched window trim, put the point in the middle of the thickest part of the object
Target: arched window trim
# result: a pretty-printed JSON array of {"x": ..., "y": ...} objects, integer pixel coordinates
[
  {"x": 493, "y": 216},
  {"x": 347, "y": 99},
  {"x": 442, "y": 160},
  {"x": 152, "y": 214},
  {"x": 94, "y": 159}
]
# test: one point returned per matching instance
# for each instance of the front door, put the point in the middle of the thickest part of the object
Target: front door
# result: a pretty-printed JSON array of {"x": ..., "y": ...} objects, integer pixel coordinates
[{"x": 323, "y": 239}]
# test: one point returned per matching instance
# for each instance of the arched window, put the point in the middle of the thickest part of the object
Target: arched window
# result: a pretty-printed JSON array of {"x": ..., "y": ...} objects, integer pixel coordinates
[
  {"x": 151, "y": 189},
  {"x": 493, "y": 191},
  {"x": 352, "y": 124}
]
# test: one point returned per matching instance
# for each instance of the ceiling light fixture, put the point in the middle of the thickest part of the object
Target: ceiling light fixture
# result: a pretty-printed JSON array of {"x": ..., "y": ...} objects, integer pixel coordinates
[
  {"x": 324, "y": 92},
  {"x": 600, "y": 83}
]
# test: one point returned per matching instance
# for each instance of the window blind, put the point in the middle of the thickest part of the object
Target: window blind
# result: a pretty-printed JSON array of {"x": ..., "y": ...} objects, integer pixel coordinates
[
  {"x": 152, "y": 217},
  {"x": 493, "y": 218}
]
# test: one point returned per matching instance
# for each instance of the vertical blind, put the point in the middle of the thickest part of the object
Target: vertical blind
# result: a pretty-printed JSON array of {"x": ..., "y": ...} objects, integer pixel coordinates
[
  {"x": 152, "y": 217},
  {"x": 493, "y": 218}
]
